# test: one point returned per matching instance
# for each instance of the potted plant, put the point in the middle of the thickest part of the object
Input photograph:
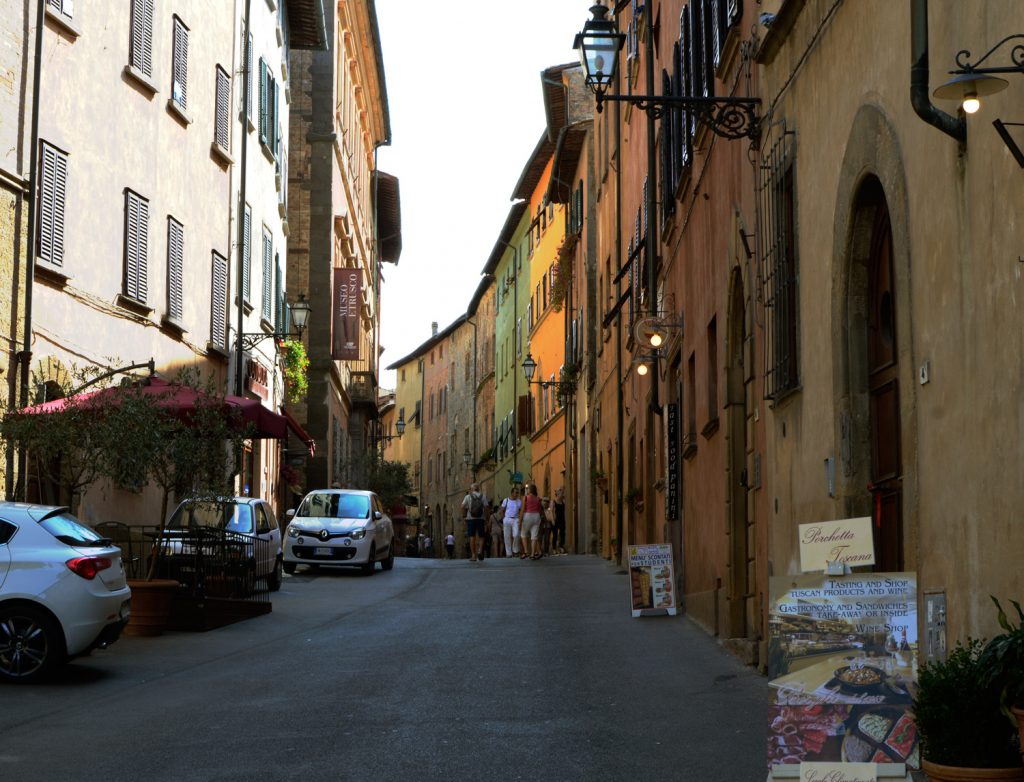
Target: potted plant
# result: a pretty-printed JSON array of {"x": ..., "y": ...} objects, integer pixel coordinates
[
  {"x": 963, "y": 734},
  {"x": 635, "y": 498},
  {"x": 598, "y": 477},
  {"x": 1003, "y": 660}
]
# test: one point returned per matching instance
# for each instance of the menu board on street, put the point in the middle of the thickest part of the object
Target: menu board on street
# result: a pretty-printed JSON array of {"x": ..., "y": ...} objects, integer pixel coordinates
[
  {"x": 842, "y": 669},
  {"x": 652, "y": 585}
]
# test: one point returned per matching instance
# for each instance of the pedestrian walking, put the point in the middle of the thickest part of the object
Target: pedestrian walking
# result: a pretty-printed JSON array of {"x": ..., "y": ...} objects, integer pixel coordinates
[
  {"x": 449, "y": 543},
  {"x": 558, "y": 526},
  {"x": 474, "y": 510},
  {"x": 428, "y": 546},
  {"x": 510, "y": 507},
  {"x": 495, "y": 530},
  {"x": 530, "y": 526},
  {"x": 547, "y": 518}
]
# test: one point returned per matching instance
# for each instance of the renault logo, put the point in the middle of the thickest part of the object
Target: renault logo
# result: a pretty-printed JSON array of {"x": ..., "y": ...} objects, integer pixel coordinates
[{"x": 324, "y": 534}]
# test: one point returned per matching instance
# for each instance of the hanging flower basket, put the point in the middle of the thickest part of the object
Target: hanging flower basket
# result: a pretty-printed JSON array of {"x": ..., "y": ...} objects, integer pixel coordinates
[{"x": 296, "y": 368}]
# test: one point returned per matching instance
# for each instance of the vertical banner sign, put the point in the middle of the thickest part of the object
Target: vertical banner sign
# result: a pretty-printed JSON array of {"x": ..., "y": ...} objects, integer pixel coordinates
[
  {"x": 672, "y": 490},
  {"x": 345, "y": 323},
  {"x": 652, "y": 587}
]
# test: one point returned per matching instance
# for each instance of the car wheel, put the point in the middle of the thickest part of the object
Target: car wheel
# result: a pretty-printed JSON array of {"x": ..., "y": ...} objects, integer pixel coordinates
[
  {"x": 289, "y": 568},
  {"x": 31, "y": 644},
  {"x": 274, "y": 579},
  {"x": 371, "y": 562},
  {"x": 389, "y": 563}
]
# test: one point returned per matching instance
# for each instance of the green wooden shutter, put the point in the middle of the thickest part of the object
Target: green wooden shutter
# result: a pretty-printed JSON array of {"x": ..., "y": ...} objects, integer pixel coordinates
[
  {"x": 141, "y": 45},
  {"x": 278, "y": 296},
  {"x": 175, "y": 269},
  {"x": 246, "y": 252},
  {"x": 219, "y": 302},
  {"x": 221, "y": 123},
  {"x": 263, "y": 100},
  {"x": 179, "y": 77}
]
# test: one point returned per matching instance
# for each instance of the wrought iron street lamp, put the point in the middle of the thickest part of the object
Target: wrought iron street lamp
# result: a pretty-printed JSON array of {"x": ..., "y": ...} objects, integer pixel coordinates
[
  {"x": 564, "y": 385},
  {"x": 300, "y": 318},
  {"x": 599, "y": 44},
  {"x": 971, "y": 82},
  {"x": 467, "y": 458}
]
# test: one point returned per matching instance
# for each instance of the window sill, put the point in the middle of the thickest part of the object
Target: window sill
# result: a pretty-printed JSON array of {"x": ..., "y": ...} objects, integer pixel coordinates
[
  {"x": 65, "y": 23},
  {"x": 284, "y": 227},
  {"x": 709, "y": 428},
  {"x": 221, "y": 154},
  {"x": 266, "y": 326},
  {"x": 246, "y": 306},
  {"x": 217, "y": 352},
  {"x": 136, "y": 306},
  {"x": 52, "y": 273},
  {"x": 689, "y": 450},
  {"x": 179, "y": 112},
  {"x": 272, "y": 5},
  {"x": 267, "y": 153},
  {"x": 134, "y": 76},
  {"x": 175, "y": 327}
]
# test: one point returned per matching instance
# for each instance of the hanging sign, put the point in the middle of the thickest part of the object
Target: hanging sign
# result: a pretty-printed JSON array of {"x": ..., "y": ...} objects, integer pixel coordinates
[
  {"x": 847, "y": 541},
  {"x": 652, "y": 586},
  {"x": 672, "y": 488},
  {"x": 838, "y": 772},
  {"x": 345, "y": 320}
]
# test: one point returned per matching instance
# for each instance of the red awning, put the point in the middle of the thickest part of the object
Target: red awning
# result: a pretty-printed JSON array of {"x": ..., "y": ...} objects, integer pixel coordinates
[
  {"x": 181, "y": 400},
  {"x": 296, "y": 427}
]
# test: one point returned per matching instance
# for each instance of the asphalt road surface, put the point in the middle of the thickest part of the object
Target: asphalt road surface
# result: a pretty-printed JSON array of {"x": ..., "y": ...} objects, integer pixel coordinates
[{"x": 504, "y": 670}]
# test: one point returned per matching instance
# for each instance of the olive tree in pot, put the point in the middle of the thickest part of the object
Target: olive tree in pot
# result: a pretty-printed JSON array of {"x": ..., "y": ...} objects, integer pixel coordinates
[
  {"x": 1003, "y": 660},
  {"x": 963, "y": 734}
]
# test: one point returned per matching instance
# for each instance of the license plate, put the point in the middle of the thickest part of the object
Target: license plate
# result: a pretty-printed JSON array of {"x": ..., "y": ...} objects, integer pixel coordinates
[{"x": 322, "y": 551}]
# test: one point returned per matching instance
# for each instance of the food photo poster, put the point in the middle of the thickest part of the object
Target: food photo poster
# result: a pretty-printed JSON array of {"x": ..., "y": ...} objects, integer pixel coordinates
[{"x": 842, "y": 669}]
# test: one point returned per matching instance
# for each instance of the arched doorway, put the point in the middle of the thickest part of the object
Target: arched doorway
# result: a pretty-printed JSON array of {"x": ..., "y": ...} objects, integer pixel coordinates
[{"x": 741, "y": 563}]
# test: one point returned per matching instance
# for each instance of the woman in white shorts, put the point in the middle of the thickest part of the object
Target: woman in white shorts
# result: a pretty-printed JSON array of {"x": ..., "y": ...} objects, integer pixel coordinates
[
  {"x": 510, "y": 507},
  {"x": 531, "y": 523}
]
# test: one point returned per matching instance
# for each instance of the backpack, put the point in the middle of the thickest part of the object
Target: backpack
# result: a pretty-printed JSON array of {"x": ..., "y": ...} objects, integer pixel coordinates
[{"x": 476, "y": 506}]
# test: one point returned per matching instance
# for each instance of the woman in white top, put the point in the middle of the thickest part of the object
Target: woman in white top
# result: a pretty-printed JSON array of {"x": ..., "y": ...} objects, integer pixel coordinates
[{"x": 510, "y": 522}]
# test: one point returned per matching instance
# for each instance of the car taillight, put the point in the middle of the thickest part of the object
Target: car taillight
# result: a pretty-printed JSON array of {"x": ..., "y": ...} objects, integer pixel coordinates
[{"x": 88, "y": 567}]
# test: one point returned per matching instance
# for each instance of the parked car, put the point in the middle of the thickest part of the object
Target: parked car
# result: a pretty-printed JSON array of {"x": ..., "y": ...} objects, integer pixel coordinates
[
  {"x": 339, "y": 527},
  {"x": 247, "y": 523},
  {"x": 63, "y": 590}
]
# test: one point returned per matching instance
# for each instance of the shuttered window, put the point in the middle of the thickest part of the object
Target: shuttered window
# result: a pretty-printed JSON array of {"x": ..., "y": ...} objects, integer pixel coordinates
[
  {"x": 136, "y": 246},
  {"x": 175, "y": 267},
  {"x": 221, "y": 123},
  {"x": 179, "y": 65},
  {"x": 279, "y": 323},
  {"x": 269, "y": 95},
  {"x": 219, "y": 302},
  {"x": 264, "y": 83},
  {"x": 141, "y": 45},
  {"x": 52, "y": 192},
  {"x": 268, "y": 258},
  {"x": 65, "y": 7},
  {"x": 247, "y": 252}
]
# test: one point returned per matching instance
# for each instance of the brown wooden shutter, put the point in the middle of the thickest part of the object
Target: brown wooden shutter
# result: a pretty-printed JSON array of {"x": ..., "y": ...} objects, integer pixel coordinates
[
  {"x": 136, "y": 246},
  {"x": 179, "y": 76},
  {"x": 524, "y": 416},
  {"x": 175, "y": 268},
  {"x": 141, "y": 46},
  {"x": 219, "y": 302},
  {"x": 221, "y": 124},
  {"x": 52, "y": 191}
]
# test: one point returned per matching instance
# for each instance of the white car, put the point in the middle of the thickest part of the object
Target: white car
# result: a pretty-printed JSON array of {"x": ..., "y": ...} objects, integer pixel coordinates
[
  {"x": 63, "y": 590},
  {"x": 247, "y": 521},
  {"x": 339, "y": 527}
]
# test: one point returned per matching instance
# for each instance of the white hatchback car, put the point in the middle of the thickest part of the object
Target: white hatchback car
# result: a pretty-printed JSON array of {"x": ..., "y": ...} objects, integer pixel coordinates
[
  {"x": 63, "y": 591},
  {"x": 339, "y": 527}
]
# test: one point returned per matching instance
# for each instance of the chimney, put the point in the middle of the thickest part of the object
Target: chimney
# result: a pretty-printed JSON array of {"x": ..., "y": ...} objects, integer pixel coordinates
[{"x": 433, "y": 329}]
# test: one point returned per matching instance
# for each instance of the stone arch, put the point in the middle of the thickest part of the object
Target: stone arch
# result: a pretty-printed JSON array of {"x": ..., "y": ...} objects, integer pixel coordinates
[
  {"x": 872, "y": 178},
  {"x": 50, "y": 379}
]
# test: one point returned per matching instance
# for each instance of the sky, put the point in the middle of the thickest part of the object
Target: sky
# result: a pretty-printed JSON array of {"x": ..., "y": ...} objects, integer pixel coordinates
[{"x": 466, "y": 112}]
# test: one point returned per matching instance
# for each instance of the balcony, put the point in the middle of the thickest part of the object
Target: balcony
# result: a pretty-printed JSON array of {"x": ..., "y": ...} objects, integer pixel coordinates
[{"x": 362, "y": 390}]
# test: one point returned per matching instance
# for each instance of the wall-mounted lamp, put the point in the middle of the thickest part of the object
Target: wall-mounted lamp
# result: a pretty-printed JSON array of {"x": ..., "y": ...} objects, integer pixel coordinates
[
  {"x": 970, "y": 82},
  {"x": 645, "y": 362},
  {"x": 300, "y": 319},
  {"x": 467, "y": 457},
  {"x": 385, "y": 438},
  {"x": 565, "y": 385},
  {"x": 652, "y": 331},
  {"x": 599, "y": 44}
]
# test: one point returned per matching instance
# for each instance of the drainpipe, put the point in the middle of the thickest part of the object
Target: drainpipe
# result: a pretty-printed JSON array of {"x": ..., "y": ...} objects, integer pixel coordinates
[
  {"x": 619, "y": 527},
  {"x": 246, "y": 77},
  {"x": 30, "y": 254},
  {"x": 955, "y": 127}
]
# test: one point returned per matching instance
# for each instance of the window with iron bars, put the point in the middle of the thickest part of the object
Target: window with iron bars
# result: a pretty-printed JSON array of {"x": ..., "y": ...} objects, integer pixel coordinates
[{"x": 780, "y": 278}]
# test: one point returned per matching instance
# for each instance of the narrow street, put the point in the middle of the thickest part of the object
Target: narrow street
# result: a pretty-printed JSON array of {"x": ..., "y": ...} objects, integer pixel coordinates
[{"x": 505, "y": 670}]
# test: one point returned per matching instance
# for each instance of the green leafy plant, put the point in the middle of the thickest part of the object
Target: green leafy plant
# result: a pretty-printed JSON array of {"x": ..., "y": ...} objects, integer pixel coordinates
[
  {"x": 1003, "y": 661},
  {"x": 563, "y": 259},
  {"x": 957, "y": 713},
  {"x": 296, "y": 369}
]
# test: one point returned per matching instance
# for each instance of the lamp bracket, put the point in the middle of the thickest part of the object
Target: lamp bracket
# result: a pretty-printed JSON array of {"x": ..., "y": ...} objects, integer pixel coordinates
[
  {"x": 1016, "y": 57},
  {"x": 249, "y": 341},
  {"x": 731, "y": 118}
]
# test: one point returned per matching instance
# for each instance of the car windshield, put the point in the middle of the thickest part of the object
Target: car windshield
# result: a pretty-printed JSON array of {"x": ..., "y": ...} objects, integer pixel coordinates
[
  {"x": 231, "y": 516},
  {"x": 67, "y": 529},
  {"x": 339, "y": 506}
]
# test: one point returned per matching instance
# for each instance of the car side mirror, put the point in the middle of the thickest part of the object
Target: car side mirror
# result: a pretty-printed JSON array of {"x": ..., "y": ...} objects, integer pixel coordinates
[
  {"x": 290, "y": 512},
  {"x": 377, "y": 515}
]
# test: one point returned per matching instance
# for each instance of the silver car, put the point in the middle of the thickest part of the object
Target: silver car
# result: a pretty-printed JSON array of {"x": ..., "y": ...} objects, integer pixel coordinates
[
  {"x": 62, "y": 590},
  {"x": 339, "y": 527}
]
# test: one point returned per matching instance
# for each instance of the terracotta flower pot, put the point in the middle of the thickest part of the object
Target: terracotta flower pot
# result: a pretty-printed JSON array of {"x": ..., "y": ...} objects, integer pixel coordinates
[{"x": 940, "y": 773}]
